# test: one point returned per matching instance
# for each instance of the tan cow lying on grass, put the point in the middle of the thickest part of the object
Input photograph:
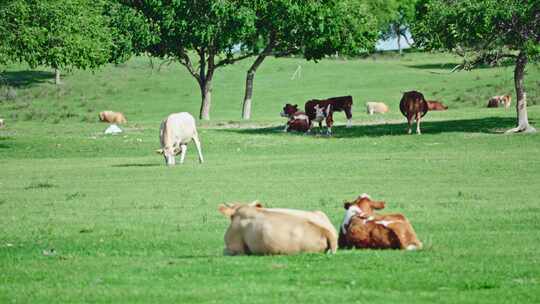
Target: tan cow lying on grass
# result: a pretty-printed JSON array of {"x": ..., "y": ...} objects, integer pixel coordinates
[
  {"x": 112, "y": 117},
  {"x": 376, "y": 107},
  {"x": 362, "y": 228},
  {"x": 434, "y": 105},
  {"x": 258, "y": 230}
]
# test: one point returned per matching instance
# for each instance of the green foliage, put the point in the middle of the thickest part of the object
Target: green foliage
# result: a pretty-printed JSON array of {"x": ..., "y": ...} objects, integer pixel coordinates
[
  {"x": 399, "y": 19},
  {"x": 60, "y": 33},
  {"x": 214, "y": 26},
  {"x": 131, "y": 34},
  {"x": 480, "y": 26}
]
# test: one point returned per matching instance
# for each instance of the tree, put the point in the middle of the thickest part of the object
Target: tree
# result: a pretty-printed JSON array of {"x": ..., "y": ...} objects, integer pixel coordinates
[
  {"x": 485, "y": 32},
  {"x": 312, "y": 29},
  {"x": 130, "y": 32},
  {"x": 208, "y": 30},
  {"x": 57, "y": 33},
  {"x": 399, "y": 22}
]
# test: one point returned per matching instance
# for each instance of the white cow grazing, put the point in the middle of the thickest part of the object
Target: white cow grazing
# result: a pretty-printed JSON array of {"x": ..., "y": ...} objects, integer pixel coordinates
[{"x": 176, "y": 131}]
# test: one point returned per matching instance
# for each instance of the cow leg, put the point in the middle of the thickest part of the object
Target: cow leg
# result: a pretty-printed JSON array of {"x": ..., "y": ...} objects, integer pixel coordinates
[
  {"x": 183, "y": 149},
  {"x": 418, "y": 118},
  {"x": 286, "y": 127},
  {"x": 406, "y": 236},
  {"x": 329, "y": 124},
  {"x": 198, "y": 146},
  {"x": 409, "y": 122}
]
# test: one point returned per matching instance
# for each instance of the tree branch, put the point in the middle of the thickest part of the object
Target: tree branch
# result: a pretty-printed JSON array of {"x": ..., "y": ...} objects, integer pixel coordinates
[
  {"x": 233, "y": 60},
  {"x": 183, "y": 58}
]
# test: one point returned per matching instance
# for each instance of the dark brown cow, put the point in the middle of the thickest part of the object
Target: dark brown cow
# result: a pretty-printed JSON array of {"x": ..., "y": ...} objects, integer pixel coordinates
[
  {"x": 362, "y": 228},
  {"x": 328, "y": 107},
  {"x": 434, "y": 105},
  {"x": 413, "y": 106},
  {"x": 297, "y": 120}
]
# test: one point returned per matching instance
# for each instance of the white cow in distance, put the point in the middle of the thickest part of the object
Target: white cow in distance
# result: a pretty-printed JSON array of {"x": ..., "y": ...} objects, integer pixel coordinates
[{"x": 176, "y": 131}]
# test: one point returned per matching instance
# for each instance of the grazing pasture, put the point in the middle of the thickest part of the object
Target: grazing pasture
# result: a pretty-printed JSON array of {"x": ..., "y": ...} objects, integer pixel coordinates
[{"x": 88, "y": 217}]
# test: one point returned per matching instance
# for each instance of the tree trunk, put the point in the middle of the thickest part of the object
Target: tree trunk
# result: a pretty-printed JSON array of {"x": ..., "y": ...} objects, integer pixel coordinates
[
  {"x": 246, "y": 106},
  {"x": 248, "y": 96},
  {"x": 57, "y": 76},
  {"x": 521, "y": 104},
  {"x": 206, "y": 94},
  {"x": 399, "y": 44}
]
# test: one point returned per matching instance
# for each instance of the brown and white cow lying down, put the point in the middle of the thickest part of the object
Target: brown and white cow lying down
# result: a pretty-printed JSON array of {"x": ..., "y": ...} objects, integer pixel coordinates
[
  {"x": 175, "y": 132},
  {"x": 329, "y": 106},
  {"x": 496, "y": 101},
  {"x": 434, "y": 105},
  {"x": 376, "y": 107},
  {"x": 362, "y": 228},
  {"x": 112, "y": 117},
  {"x": 258, "y": 230},
  {"x": 297, "y": 120},
  {"x": 413, "y": 106}
]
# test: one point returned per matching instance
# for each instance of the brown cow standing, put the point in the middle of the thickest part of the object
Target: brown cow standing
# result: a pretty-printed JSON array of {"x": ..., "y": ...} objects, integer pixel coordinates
[
  {"x": 413, "y": 106},
  {"x": 434, "y": 105},
  {"x": 329, "y": 106},
  {"x": 297, "y": 120},
  {"x": 362, "y": 228}
]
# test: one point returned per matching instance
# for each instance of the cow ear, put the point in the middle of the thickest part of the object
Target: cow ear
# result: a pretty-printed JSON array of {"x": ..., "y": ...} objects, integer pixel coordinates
[
  {"x": 226, "y": 210},
  {"x": 159, "y": 151},
  {"x": 377, "y": 205},
  {"x": 347, "y": 205}
]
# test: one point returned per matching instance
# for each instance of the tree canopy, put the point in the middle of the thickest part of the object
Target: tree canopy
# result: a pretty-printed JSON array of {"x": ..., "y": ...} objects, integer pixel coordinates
[
  {"x": 484, "y": 32},
  {"x": 60, "y": 33}
]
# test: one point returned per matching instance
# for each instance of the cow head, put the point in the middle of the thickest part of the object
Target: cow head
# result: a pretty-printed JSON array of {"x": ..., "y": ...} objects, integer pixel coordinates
[
  {"x": 364, "y": 205},
  {"x": 347, "y": 108},
  {"x": 229, "y": 210},
  {"x": 322, "y": 112},
  {"x": 289, "y": 110},
  {"x": 169, "y": 153}
]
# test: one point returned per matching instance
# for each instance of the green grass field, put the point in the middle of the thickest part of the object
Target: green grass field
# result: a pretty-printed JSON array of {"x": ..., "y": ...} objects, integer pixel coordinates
[{"x": 125, "y": 228}]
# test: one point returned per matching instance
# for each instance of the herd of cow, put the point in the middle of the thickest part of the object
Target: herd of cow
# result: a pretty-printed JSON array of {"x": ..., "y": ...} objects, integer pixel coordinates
[
  {"x": 255, "y": 229},
  {"x": 412, "y": 105}
]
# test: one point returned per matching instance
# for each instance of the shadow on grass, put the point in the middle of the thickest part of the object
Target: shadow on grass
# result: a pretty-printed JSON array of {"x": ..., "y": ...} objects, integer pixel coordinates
[
  {"x": 25, "y": 78},
  {"x": 490, "y": 125},
  {"x": 135, "y": 165}
]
